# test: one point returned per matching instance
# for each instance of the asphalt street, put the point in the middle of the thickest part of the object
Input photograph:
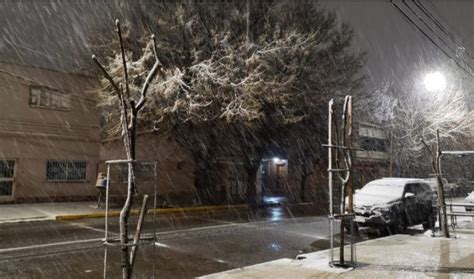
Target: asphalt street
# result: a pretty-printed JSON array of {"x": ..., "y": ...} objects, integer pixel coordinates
[{"x": 186, "y": 245}]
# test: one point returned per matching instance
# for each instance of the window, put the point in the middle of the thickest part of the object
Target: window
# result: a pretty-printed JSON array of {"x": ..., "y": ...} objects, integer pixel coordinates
[
  {"x": 372, "y": 144},
  {"x": 7, "y": 168},
  {"x": 414, "y": 188},
  {"x": 70, "y": 171},
  {"x": 43, "y": 97}
]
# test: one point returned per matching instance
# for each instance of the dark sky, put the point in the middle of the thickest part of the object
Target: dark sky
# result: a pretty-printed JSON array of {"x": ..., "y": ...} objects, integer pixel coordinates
[
  {"x": 49, "y": 34},
  {"x": 397, "y": 52},
  {"x": 52, "y": 34}
]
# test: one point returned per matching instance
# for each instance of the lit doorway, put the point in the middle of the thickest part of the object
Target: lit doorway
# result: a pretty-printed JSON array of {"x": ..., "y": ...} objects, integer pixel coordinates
[{"x": 273, "y": 180}]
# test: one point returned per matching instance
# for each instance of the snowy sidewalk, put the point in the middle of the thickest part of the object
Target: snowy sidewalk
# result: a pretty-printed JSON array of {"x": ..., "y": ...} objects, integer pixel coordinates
[
  {"x": 27, "y": 212},
  {"x": 397, "y": 256}
]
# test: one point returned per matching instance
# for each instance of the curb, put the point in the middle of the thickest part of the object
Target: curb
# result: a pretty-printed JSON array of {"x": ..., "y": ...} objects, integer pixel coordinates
[
  {"x": 116, "y": 213},
  {"x": 26, "y": 220}
]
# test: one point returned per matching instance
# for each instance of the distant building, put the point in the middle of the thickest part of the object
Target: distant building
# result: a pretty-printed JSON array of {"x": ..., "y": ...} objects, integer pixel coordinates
[
  {"x": 373, "y": 162},
  {"x": 49, "y": 135}
]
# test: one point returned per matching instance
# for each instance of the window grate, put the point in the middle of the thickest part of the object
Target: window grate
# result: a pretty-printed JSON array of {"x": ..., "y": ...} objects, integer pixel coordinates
[
  {"x": 6, "y": 188},
  {"x": 70, "y": 171},
  {"x": 43, "y": 97},
  {"x": 7, "y": 168}
]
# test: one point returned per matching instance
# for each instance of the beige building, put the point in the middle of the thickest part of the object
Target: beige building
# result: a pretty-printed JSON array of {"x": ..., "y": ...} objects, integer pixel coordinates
[
  {"x": 49, "y": 135},
  {"x": 373, "y": 162},
  {"x": 174, "y": 177}
]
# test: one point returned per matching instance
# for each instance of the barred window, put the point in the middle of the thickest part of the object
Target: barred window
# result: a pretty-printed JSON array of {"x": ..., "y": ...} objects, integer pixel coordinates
[
  {"x": 7, "y": 168},
  {"x": 43, "y": 97},
  {"x": 71, "y": 171}
]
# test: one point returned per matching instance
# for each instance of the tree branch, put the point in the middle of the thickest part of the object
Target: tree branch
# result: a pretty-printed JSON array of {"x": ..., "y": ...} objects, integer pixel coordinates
[
  {"x": 124, "y": 62},
  {"x": 148, "y": 79},
  {"x": 107, "y": 76}
]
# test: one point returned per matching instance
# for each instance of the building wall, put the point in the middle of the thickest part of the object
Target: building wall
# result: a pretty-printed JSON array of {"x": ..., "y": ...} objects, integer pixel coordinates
[
  {"x": 373, "y": 162},
  {"x": 175, "y": 169},
  {"x": 31, "y": 135}
]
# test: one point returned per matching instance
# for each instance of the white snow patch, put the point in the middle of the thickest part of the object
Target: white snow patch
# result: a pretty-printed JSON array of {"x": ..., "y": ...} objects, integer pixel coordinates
[{"x": 429, "y": 233}]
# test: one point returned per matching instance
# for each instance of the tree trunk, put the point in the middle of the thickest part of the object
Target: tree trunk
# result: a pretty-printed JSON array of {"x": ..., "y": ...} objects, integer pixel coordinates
[
  {"x": 201, "y": 179},
  {"x": 441, "y": 200},
  {"x": 443, "y": 222},
  {"x": 124, "y": 215},
  {"x": 129, "y": 144},
  {"x": 304, "y": 178},
  {"x": 251, "y": 169}
]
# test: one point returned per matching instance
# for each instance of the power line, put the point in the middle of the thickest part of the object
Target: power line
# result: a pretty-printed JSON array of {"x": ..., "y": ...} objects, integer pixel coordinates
[
  {"x": 407, "y": 17},
  {"x": 440, "y": 25},
  {"x": 437, "y": 35}
]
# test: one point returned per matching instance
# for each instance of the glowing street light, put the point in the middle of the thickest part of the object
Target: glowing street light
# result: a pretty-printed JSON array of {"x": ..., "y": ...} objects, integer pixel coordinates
[{"x": 435, "y": 82}]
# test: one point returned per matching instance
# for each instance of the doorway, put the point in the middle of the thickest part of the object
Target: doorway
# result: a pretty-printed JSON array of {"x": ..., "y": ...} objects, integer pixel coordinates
[{"x": 273, "y": 173}]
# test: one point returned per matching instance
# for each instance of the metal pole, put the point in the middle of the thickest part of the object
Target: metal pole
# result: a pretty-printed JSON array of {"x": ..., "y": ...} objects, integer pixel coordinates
[
  {"x": 154, "y": 216},
  {"x": 331, "y": 212},
  {"x": 391, "y": 154},
  {"x": 119, "y": 161},
  {"x": 107, "y": 184}
]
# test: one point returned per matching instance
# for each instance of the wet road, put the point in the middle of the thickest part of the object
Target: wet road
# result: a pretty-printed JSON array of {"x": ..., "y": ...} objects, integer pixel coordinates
[{"x": 186, "y": 245}]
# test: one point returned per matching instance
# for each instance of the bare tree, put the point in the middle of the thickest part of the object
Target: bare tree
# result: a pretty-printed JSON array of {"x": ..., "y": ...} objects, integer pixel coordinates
[
  {"x": 420, "y": 122},
  {"x": 129, "y": 108},
  {"x": 412, "y": 116},
  {"x": 418, "y": 118}
]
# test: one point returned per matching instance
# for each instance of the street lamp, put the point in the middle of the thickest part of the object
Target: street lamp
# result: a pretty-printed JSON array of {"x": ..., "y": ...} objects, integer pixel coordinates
[{"x": 435, "y": 82}]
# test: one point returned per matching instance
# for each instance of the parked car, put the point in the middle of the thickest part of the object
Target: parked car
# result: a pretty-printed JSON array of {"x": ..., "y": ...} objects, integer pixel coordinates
[
  {"x": 393, "y": 204},
  {"x": 469, "y": 199}
]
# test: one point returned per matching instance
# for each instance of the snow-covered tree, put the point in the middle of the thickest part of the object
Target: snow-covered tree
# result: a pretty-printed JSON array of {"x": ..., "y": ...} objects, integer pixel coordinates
[
  {"x": 238, "y": 76},
  {"x": 419, "y": 117}
]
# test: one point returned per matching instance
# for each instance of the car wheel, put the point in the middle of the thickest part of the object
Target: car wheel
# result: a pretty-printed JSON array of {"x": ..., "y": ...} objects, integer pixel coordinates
[
  {"x": 400, "y": 226},
  {"x": 355, "y": 227},
  {"x": 430, "y": 222}
]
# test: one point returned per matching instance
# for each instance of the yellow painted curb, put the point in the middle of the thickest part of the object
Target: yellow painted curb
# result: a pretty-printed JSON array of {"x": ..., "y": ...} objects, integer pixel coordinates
[{"x": 157, "y": 210}]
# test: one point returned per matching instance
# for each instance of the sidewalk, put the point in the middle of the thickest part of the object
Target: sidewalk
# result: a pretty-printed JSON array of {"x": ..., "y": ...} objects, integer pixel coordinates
[
  {"x": 397, "y": 256},
  {"x": 29, "y": 212}
]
